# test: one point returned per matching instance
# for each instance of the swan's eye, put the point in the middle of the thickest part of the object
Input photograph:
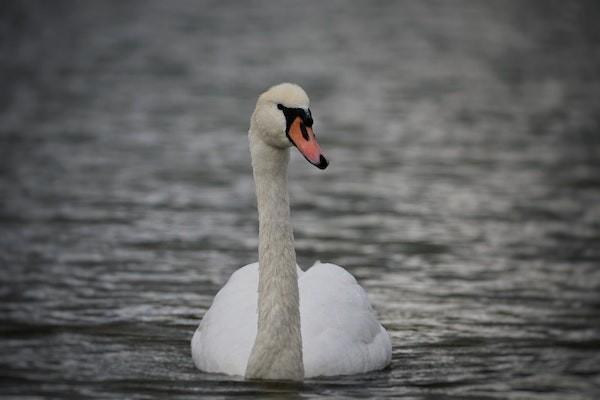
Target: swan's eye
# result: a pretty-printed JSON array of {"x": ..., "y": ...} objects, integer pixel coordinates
[{"x": 292, "y": 113}]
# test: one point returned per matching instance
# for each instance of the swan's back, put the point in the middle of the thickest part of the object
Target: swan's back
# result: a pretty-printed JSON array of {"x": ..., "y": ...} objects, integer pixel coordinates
[{"x": 340, "y": 334}]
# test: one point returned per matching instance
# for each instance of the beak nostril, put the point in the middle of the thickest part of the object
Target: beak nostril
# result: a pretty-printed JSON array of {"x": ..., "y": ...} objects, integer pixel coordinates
[{"x": 304, "y": 132}]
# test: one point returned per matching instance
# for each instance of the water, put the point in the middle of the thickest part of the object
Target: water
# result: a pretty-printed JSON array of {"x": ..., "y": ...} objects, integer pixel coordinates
[{"x": 463, "y": 190}]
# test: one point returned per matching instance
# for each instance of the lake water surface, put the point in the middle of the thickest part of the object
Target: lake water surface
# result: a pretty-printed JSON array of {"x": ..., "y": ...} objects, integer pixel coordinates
[{"x": 463, "y": 190}]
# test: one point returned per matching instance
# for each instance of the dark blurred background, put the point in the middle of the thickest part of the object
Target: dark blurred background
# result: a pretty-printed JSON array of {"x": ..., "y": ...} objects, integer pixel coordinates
[{"x": 463, "y": 190}]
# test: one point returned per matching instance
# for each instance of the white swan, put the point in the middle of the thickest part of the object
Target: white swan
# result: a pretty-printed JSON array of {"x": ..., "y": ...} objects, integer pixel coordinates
[{"x": 272, "y": 320}]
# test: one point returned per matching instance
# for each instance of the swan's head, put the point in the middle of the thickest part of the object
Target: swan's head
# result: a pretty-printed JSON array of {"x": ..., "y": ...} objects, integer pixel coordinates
[{"x": 282, "y": 118}]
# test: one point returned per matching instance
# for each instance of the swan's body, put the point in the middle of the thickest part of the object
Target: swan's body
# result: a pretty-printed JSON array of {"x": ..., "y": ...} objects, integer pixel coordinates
[
  {"x": 340, "y": 334},
  {"x": 271, "y": 320}
]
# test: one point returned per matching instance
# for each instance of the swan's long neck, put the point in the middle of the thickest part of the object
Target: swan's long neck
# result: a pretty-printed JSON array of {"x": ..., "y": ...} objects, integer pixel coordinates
[{"x": 277, "y": 351}]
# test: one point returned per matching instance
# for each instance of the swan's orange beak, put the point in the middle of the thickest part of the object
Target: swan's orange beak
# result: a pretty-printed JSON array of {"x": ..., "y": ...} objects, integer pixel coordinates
[{"x": 304, "y": 139}]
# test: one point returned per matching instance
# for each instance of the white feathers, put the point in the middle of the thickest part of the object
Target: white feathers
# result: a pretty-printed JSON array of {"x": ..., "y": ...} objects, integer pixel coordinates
[
  {"x": 340, "y": 333},
  {"x": 224, "y": 339},
  {"x": 313, "y": 323}
]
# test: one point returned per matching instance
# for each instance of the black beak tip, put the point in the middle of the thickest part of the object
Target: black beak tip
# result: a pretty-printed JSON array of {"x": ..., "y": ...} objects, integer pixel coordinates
[{"x": 323, "y": 163}]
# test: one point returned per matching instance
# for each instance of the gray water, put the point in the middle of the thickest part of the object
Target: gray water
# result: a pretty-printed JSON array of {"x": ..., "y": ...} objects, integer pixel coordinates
[{"x": 463, "y": 190}]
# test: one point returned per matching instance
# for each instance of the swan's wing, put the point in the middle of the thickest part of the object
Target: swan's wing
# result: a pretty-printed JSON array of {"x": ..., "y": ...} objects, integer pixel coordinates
[
  {"x": 340, "y": 332},
  {"x": 223, "y": 341}
]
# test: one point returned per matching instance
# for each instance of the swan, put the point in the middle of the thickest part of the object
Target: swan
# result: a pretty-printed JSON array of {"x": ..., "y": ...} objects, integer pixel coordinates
[{"x": 272, "y": 320}]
